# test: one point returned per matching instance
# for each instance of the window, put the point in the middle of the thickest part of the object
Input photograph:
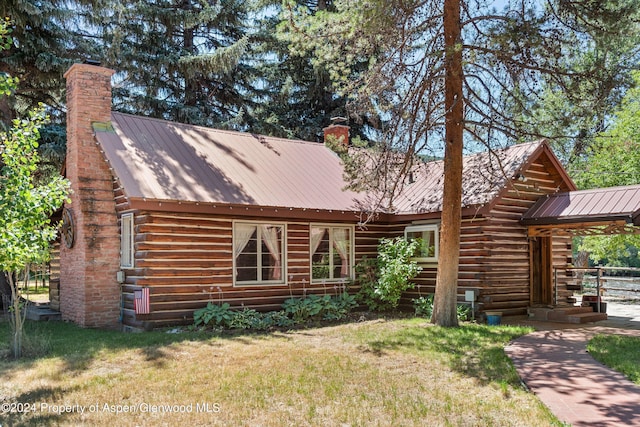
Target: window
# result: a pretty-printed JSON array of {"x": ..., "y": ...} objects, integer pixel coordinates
[
  {"x": 126, "y": 241},
  {"x": 331, "y": 252},
  {"x": 258, "y": 253},
  {"x": 428, "y": 237}
]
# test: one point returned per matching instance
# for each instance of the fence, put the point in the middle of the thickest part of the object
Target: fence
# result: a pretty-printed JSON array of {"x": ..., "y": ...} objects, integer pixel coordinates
[{"x": 593, "y": 282}]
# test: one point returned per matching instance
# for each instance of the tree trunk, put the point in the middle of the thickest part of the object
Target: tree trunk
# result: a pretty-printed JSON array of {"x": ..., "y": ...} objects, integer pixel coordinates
[
  {"x": 444, "y": 308},
  {"x": 17, "y": 319}
]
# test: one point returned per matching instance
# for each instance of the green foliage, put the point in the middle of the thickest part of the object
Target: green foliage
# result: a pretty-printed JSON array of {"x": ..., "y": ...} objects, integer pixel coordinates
[
  {"x": 423, "y": 306},
  {"x": 48, "y": 36},
  {"x": 621, "y": 353},
  {"x": 294, "y": 311},
  {"x": 214, "y": 315},
  {"x": 463, "y": 311},
  {"x": 25, "y": 207},
  {"x": 613, "y": 160},
  {"x": 319, "y": 307},
  {"x": 383, "y": 281},
  {"x": 185, "y": 61}
]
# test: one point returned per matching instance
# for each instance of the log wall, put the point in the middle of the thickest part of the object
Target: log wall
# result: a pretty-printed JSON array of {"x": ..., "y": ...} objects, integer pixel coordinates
[
  {"x": 494, "y": 249},
  {"x": 186, "y": 261}
]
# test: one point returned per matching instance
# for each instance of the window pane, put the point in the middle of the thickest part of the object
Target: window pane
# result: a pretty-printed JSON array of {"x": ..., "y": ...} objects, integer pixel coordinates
[
  {"x": 427, "y": 240},
  {"x": 342, "y": 252},
  {"x": 271, "y": 252},
  {"x": 247, "y": 260},
  {"x": 321, "y": 256}
]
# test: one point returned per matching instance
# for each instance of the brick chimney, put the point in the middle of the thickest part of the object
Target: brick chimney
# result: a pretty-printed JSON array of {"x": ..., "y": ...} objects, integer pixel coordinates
[
  {"x": 89, "y": 292},
  {"x": 340, "y": 132}
]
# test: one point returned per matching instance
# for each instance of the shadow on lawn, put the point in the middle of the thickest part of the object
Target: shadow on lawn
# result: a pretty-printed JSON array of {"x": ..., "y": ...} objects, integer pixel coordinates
[
  {"x": 474, "y": 350},
  {"x": 36, "y": 412},
  {"x": 78, "y": 346}
]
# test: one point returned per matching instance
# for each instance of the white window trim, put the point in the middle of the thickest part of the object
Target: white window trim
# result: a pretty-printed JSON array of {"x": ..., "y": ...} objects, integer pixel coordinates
[
  {"x": 352, "y": 251},
  {"x": 426, "y": 227},
  {"x": 283, "y": 257},
  {"x": 127, "y": 233}
]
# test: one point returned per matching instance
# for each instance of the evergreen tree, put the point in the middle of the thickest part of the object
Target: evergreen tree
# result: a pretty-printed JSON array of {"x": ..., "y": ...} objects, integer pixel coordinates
[
  {"x": 605, "y": 42},
  {"x": 295, "y": 96},
  {"x": 48, "y": 36},
  {"x": 181, "y": 60}
]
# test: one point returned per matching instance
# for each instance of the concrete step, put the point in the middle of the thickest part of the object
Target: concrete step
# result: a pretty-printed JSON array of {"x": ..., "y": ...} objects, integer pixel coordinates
[
  {"x": 586, "y": 317},
  {"x": 569, "y": 314},
  {"x": 42, "y": 313},
  {"x": 560, "y": 314}
]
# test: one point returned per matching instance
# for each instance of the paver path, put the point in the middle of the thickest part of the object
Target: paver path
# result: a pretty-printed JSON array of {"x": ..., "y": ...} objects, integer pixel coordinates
[{"x": 556, "y": 366}]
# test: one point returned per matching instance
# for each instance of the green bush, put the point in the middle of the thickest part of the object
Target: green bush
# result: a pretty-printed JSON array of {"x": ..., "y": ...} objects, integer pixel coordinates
[
  {"x": 382, "y": 281},
  {"x": 463, "y": 312},
  {"x": 319, "y": 307},
  {"x": 424, "y": 306},
  {"x": 213, "y": 315},
  {"x": 294, "y": 311}
]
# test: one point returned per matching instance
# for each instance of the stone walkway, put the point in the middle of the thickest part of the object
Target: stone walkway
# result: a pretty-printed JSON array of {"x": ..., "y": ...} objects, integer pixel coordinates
[{"x": 554, "y": 363}]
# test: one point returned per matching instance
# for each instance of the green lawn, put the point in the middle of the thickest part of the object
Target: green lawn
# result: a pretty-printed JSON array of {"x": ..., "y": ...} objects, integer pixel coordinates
[
  {"x": 618, "y": 352},
  {"x": 379, "y": 372}
]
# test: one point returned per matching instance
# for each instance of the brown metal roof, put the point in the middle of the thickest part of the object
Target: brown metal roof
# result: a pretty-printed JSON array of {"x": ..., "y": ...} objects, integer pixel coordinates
[
  {"x": 587, "y": 206},
  {"x": 156, "y": 160},
  {"x": 485, "y": 175}
]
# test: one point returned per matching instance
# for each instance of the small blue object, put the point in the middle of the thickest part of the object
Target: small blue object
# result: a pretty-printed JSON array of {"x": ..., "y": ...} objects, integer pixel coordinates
[{"x": 493, "y": 319}]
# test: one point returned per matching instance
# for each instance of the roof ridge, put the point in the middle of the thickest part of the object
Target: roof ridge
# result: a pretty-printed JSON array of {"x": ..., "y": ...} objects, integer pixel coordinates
[{"x": 216, "y": 130}]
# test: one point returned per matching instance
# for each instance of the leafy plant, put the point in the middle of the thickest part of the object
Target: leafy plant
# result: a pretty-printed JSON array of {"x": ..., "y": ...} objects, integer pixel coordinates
[
  {"x": 275, "y": 318},
  {"x": 424, "y": 306},
  {"x": 213, "y": 315},
  {"x": 245, "y": 319},
  {"x": 463, "y": 311},
  {"x": 384, "y": 280},
  {"x": 339, "y": 306}
]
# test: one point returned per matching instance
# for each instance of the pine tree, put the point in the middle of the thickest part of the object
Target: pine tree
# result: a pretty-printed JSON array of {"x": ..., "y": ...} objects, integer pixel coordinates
[
  {"x": 180, "y": 60},
  {"x": 295, "y": 97},
  {"x": 48, "y": 36}
]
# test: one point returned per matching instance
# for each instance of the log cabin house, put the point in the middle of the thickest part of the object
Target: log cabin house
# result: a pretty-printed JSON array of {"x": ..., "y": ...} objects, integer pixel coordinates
[{"x": 165, "y": 217}]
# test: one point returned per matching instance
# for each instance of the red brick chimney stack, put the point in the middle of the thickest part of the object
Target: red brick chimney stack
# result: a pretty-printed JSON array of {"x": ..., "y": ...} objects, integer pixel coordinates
[
  {"x": 89, "y": 292},
  {"x": 339, "y": 131}
]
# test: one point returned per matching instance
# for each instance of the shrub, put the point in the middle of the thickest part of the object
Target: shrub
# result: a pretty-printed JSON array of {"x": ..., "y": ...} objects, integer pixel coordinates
[
  {"x": 424, "y": 306},
  {"x": 319, "y": 307},
  {"x": 384, "y": 280},
  {"x": 245, "y": 319},
  {"x": 213, "y": 315},
  {"x": 463, "y": 312}
]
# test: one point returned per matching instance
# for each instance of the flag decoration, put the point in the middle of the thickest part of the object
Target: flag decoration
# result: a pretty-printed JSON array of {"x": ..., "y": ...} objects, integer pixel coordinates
[{"x": 141, "y": 301}]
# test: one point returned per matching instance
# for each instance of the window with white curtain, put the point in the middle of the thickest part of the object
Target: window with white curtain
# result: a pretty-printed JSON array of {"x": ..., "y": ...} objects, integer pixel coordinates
[
  {"x": 126, "y": 241},
  {"x": 428, "y": 237},
  {"x": 331, "y": 252},
  {"x": 258, "y": 253}
]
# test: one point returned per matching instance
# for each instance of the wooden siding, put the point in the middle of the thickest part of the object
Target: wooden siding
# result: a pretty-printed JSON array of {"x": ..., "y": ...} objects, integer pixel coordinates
[
  {"x": 494, "y": 249},
  {"x": 186, "y": 260}
]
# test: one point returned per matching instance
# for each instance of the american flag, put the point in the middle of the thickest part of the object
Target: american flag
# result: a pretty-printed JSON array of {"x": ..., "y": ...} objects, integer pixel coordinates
[{"x": 141, "y": 301}]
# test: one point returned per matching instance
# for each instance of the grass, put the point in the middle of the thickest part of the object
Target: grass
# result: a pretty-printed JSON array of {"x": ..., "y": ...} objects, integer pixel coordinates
[
  {"x": 381, "y": 372},
  {"x": 618, "y": 352}
]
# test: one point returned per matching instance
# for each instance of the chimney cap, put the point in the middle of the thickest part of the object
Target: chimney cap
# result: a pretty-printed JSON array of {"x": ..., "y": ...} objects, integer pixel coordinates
[
  {"x": 338, "y": 119},
  {"x": 90, "y": 61}
]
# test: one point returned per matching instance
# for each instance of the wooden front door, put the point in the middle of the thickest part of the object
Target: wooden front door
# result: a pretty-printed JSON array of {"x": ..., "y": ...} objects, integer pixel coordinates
[{"x": 541, "y": 271}]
